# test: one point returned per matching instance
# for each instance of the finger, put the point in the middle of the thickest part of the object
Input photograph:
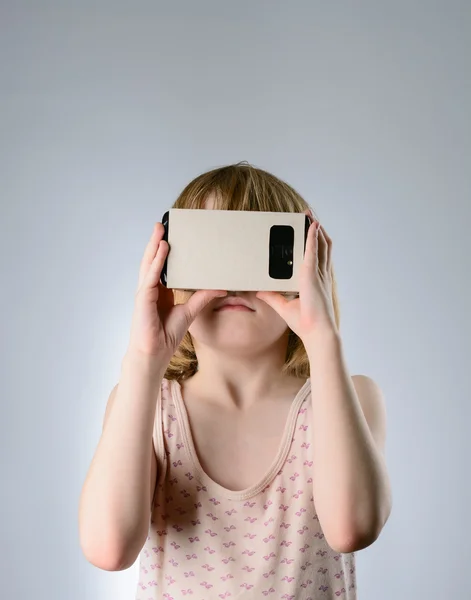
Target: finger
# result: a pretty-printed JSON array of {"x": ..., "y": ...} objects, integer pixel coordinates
[
  {"x": 198, "y": 301},
  {"x": 310, "y": 214},
  {"x": 273, "y": 299},
  {"x": 152, "y": 276},
  {"x": 322, "y": 250},
  {"x": 310, "y": 255},
  {"x": 150, "y": 251},
  {"x": 182, "y": 315},
  {"x": 329, "y": 250}
]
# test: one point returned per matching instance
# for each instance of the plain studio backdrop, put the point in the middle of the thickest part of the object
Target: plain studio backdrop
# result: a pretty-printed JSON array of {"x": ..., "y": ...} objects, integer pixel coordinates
[{"x": 107, "y": 110}]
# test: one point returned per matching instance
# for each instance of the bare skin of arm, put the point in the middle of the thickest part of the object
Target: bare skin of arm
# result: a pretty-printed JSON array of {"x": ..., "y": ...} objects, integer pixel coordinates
[{"x": 116, "y": 498}]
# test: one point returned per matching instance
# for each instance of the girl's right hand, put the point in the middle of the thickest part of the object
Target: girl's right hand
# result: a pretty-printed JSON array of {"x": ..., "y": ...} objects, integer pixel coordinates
[{"x": 158, "y": 324}]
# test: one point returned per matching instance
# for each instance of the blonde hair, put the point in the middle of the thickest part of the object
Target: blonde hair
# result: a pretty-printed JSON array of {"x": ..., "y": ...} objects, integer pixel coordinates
[{"x": 244, "y": 187}]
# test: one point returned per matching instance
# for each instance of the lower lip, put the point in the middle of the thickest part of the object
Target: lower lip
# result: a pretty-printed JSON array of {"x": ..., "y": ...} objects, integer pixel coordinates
[{"x": 236, "y": 307}]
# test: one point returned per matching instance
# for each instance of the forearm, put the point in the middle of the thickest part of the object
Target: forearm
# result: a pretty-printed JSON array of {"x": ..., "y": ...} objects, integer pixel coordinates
[
  {"x": 114, "y": 504},
  {"x": 350, "y": 479}
]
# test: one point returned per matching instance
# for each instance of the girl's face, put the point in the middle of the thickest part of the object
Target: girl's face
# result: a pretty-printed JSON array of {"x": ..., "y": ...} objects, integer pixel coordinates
[
  {"x": 244, "y": 330},
  {"x": 235, "y": 330}
]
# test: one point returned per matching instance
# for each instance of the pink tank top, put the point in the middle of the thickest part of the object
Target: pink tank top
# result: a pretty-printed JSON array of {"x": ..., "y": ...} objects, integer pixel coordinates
[{"x": 206, "y": 542}]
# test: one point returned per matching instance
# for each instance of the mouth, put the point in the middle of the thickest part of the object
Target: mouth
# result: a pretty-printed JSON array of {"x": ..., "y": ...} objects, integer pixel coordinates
[
  {"x": 236, "y": 307},
  {"x": 233, "y": 303}
]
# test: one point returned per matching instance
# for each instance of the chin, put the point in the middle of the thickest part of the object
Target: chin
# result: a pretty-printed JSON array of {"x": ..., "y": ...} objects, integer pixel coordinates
[
  {"x": 228, "y": 337},
  {"x": 235, "y": 337}
]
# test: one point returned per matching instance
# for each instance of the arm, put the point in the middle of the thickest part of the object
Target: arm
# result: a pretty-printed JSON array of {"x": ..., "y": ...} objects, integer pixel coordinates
[
  {"x": 116, "y": 497},
  {"x": 351, "y": 485}
]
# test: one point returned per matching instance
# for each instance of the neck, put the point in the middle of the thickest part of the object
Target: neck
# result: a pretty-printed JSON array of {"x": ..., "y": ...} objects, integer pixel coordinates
[{"x": 240, "y": 379}]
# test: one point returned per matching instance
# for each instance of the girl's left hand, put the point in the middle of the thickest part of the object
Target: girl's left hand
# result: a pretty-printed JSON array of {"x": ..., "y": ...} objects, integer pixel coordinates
[{"x": 313, "y": 309}]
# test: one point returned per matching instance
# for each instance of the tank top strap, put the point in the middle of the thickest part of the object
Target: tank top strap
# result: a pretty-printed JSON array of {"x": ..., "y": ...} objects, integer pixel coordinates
[{"x": 158, "y": 438}]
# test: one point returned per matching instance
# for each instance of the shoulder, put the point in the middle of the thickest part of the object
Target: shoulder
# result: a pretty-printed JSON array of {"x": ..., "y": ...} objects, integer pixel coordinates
[{"x": 373, "y": 405}]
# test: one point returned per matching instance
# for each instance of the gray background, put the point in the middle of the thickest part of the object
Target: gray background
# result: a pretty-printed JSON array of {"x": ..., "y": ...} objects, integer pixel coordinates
[{"x": 107, "y": 110}]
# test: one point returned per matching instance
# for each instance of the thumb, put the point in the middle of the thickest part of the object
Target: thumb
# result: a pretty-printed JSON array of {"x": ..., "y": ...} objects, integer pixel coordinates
[
  {"x": 273, "y": 299},
  {"x": 198, "y": 301},
  {"x": 183, "y": 315}
]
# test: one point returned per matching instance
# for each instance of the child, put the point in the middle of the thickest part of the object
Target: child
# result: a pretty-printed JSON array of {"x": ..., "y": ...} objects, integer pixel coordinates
[{"x": 209, "y": 459}]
